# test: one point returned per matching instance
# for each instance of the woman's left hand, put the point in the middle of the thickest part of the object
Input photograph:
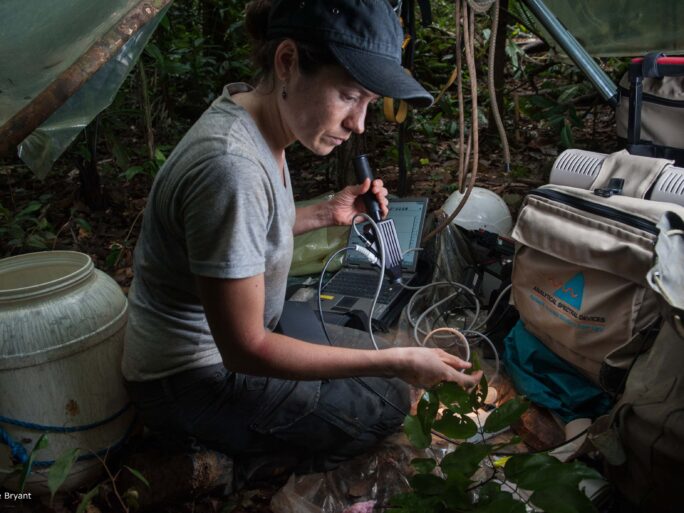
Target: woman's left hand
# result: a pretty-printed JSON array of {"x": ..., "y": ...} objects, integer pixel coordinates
[{"x": 348, "y": 203}]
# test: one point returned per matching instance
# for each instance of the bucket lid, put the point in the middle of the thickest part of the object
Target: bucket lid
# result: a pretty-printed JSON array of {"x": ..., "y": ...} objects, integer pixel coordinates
[{"x": 33, "y": 275}]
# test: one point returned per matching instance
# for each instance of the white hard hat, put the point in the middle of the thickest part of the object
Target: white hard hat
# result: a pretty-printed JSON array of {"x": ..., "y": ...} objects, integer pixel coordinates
[{"x": 483, "y": 210}]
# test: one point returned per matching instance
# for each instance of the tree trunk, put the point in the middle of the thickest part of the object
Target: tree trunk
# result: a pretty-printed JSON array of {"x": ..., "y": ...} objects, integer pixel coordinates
[{"x": 91, "y": 188}]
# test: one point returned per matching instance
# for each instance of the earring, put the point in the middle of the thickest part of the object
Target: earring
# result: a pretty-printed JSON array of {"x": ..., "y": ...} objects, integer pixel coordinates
[{"x": 283, "y": 93}]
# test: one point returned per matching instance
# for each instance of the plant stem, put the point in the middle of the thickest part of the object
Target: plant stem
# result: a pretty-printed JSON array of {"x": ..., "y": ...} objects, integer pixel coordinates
[{"x": 147, "y": 110}]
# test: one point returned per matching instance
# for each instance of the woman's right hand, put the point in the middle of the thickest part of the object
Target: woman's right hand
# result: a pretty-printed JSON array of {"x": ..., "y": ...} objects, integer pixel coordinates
[{"x": 426, "y": 367}]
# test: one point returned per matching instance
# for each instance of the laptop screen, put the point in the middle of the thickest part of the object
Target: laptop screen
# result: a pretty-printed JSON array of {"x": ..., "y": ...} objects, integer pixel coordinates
[{"x": 408, "y": 215}]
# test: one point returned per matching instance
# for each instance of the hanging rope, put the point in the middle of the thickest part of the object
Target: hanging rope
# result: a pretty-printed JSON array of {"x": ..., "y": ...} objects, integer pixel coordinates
[
  {"x": 492, "y": 89},
  {"x": 480, "y": 6},
  {"x": 465, "y": 43},
  {"x": 465, "y": 16}
]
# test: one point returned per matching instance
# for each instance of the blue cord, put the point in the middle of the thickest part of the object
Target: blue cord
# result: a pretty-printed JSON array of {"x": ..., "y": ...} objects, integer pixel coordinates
[
  {"x": 19, "y": 453},
  {"x": 17, "y": 450},
  {"x": 61, "y": 429},
  {"x": 101, "y": 452}
]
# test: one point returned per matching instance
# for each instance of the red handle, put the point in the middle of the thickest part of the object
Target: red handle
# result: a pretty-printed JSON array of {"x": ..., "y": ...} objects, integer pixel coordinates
[{"x": 662, "y": 60}]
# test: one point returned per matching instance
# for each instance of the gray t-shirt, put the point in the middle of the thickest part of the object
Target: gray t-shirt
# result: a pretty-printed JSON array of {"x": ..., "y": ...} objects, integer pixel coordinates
[{"x": 218, "y": 208}]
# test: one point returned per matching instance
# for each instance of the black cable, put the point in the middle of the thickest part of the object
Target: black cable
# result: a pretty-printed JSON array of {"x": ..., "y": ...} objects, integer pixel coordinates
[{"x": 549, "y": 449}]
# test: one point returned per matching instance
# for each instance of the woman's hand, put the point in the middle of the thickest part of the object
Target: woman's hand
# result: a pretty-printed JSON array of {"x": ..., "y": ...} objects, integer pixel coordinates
[
  {"x": 348, "y": 203},
  {"x": 426, "y": 367}
]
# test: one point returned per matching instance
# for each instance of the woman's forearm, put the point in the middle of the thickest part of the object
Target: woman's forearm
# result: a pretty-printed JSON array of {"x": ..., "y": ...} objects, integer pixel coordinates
[{"x": 311, "y": 217}]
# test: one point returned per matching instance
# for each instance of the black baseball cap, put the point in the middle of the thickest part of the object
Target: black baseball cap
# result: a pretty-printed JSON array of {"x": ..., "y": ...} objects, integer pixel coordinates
[{"x": 364, "y": 35}]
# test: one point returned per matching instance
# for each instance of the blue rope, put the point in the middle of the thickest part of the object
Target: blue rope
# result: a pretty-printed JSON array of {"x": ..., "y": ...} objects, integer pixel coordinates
[
  {"x": 61, "y": 429},
  {"x": 18, "y": 451},
  {"x": 101, "y": 452}
]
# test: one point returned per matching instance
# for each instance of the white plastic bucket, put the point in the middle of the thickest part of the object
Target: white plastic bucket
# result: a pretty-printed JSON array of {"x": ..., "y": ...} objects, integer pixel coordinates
[{"x": 61, "y": 337}]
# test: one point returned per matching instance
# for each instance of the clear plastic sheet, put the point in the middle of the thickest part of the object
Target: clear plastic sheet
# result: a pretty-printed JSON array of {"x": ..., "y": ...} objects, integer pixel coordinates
[
  {"x": 38, "y": 41},
  {"x": 366, "y": 483},
  {"x": 42, "y": 148},
  {"x": 42, "y": 38}
]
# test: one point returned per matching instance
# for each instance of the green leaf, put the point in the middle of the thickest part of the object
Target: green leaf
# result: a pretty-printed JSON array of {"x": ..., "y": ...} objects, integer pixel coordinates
[
  {"x": 30, "y": 208},
  {"x": 456, "y": 425},
  {"x": 84, "y": 224},
  {"x": 423, "y": 465},
  {"x": 568, "y": 93},
  {"x": 560, "y": 499},
  {"x": 520, "y": 466},
  {"x": 131, "y": 172},
  {"x": 36, "y": 241},
  {"x": 556, "y": 120},
  {"x": 428, "y": 484},
  {"x": 505, "y": 415},
  {"x": 153, "y": 51},
  {"x": 59, "y": 471},
  {"x": 427, "y": 409},
  {"x": 479, "y": 395},
  {"x": 541, "y": 102},
  {"x": 505, "y": 503},
  {"x": 137, "y": 474},
  {"x": 42, "y": 443},
  {"x": 26, "y": 471},
  {"x": 113, "y": 256},
  {"x": 566, "y": 136},
  {"x": 541, "y": 471},
  {"x": 159, "y": 156},
  {"x": 493, "y": 500},
  {"x": 414, "y": 503},
  {"x": 465, "y": 460},
  {"x": 454, "y": 397},
  {"x": 85, "y": 501},
  {"x": 415, "y": 433}
]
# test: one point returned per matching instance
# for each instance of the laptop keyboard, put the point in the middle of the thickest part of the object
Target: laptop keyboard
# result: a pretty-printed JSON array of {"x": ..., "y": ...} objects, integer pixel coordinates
[{"x": 361, "y": 285}]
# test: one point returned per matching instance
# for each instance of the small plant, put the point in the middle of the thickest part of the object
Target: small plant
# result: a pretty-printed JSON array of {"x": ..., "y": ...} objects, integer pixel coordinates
[
  {"x": 472, "y": 477},
  {"x": 128, "y": 500},
  {"x": 150, "y": 167},
  {"x": 27, "y": 229},
  {"x": 59, "y": 471}
]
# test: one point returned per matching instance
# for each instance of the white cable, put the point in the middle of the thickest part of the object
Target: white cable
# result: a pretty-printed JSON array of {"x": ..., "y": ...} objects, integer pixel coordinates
[
  {"x": 460, "y": 336},
  {"x": 320, "y": 288},
  {"x": 320, "y": 283},
  {"x": 415, "y": 296},
  {"x": 381, "y": 250},
  {"x": 370, "y": 256},
  {"x": 416, "y": 328}
]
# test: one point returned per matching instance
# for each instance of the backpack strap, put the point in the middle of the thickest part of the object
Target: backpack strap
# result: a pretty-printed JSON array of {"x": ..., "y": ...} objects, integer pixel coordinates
[{"x": 639, "y": 173}]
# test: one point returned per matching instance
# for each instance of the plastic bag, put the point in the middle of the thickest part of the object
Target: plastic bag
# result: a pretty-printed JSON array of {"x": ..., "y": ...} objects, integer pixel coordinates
[
  {"x": 366, "y": 483},
  {"x": 312, "y": 249}
]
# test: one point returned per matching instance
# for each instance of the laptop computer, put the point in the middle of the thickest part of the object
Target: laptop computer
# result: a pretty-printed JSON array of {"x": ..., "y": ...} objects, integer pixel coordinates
[{"x": 354, "y": 285}]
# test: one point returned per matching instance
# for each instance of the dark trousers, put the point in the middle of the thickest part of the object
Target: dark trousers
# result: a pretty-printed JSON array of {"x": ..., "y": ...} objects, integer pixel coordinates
[{"x": 319, "y": 423}]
